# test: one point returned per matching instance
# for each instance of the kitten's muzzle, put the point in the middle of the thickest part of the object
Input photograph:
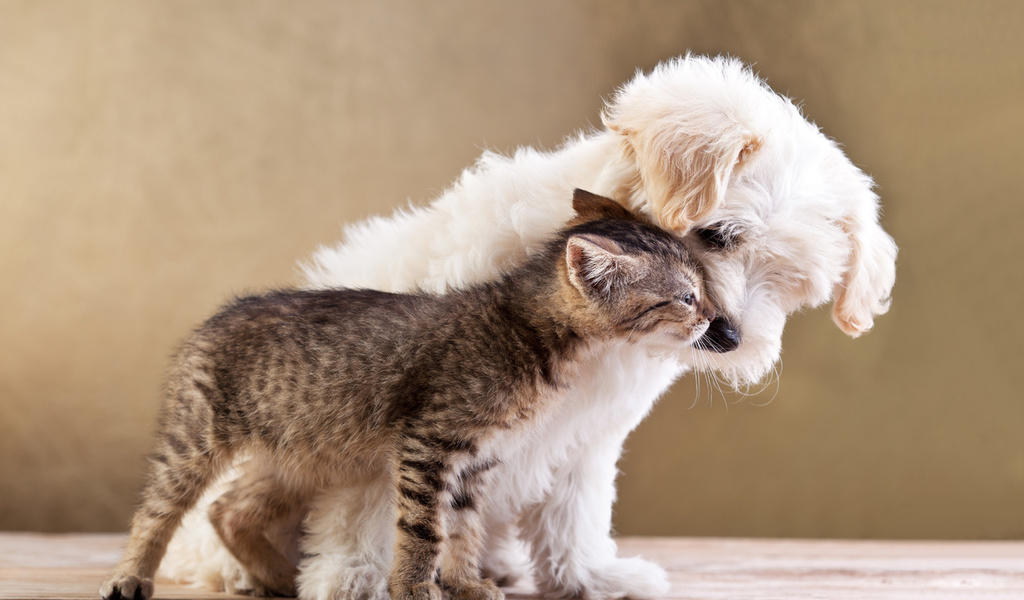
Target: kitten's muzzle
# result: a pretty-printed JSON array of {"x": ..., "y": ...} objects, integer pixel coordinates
[{"x": 722, "y": 336}]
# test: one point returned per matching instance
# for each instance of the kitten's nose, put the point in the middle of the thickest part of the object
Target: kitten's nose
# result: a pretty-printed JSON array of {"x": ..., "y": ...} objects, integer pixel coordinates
[{"x": 721, "y": 336}]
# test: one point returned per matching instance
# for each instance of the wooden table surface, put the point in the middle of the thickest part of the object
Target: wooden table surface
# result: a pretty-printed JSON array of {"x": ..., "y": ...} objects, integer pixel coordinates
[{"x": 72, "y": 566}]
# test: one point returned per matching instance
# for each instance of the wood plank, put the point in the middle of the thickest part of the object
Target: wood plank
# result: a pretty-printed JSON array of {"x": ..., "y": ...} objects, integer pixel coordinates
[
  {"x": 72, "y": 567},
  {"x": 742, "y": 569},
  {"x": 62, "y": 567}
]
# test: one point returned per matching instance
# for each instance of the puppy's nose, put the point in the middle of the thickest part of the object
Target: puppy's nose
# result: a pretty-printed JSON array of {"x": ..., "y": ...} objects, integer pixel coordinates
[{"x": 721, "y": 336}]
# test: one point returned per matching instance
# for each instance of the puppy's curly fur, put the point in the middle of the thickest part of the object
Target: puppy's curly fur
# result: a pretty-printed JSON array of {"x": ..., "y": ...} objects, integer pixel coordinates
[{"x": 781, "y": 220}]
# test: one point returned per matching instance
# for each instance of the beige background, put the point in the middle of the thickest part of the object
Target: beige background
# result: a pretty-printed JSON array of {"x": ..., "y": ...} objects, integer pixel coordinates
[{"x": 156, "y": 158}]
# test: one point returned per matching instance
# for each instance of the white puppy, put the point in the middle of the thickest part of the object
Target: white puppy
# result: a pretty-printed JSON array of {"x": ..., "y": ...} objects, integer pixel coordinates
[{"x": 781, "y": 220}]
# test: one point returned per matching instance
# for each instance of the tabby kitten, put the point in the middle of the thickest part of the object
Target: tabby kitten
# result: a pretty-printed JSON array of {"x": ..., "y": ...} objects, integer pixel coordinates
[{"x": 329, "y": 384}]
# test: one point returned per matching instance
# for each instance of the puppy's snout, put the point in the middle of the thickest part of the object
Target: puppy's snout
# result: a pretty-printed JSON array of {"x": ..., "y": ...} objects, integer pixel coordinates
[{"x": 722, "y": 336}]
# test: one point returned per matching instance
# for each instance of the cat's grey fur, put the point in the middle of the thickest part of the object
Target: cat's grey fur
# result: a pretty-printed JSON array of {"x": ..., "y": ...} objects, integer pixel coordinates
[{"x": 330, "y": 385}]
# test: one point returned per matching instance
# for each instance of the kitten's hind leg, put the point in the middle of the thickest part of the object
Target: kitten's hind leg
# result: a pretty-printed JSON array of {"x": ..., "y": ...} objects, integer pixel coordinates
[
  {"x": 186, "y": 460},
  {"x": 242, "y": 517},
  {"x": 180, "y": 470}
]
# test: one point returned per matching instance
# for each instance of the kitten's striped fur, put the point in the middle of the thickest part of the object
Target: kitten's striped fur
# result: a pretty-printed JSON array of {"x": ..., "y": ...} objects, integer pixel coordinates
[{"x": 326, "y": 384}]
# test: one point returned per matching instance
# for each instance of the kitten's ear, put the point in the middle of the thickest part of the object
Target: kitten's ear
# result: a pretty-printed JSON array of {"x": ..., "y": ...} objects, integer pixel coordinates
[
  {"x": 590, "y": 207},
  {"x": 596, "y": 264}
]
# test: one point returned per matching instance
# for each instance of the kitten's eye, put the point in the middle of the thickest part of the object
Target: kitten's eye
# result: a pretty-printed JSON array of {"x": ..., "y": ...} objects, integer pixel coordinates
[
  {"x": 651, "y": 309},
  {"x": 687, "y": 299},
  {"x": 717, "y": 236}
]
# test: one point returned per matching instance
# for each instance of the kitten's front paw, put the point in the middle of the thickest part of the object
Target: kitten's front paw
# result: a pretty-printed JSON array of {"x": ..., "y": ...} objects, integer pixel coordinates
[
  {"x": 252, "y": 588},
  {"x": 633, "y": 578},
  {"x": 418, "y": 591},
  {"x": 261, "y": 590},
  {"x": 478, "y": 590},
  {"x": 127, "y": 587}
]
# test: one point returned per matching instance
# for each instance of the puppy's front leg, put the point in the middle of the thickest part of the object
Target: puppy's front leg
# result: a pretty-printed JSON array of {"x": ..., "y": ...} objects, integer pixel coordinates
[
  {"x": 570, "y": 534},
  {"x": 347, "y": 549}
]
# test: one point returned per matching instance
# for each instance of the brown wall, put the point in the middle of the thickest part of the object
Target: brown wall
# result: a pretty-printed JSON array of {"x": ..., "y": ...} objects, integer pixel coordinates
[{"x": 157, "y": 157}]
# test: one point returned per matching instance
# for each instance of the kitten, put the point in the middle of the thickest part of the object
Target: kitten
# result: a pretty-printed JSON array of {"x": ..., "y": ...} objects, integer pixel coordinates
[{"x": 331, "y": 384}]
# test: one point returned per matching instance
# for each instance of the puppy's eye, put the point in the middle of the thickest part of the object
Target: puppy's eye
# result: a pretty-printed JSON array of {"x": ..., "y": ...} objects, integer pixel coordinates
[{"x": 717, "y": 236}]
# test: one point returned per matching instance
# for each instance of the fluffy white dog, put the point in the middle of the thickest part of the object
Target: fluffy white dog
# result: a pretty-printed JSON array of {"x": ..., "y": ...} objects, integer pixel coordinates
[{"x": 782, "y": 220}]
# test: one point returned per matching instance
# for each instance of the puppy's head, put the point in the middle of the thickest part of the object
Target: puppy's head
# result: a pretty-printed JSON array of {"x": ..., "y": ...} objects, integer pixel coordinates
[
  {"x": 777, "y": 215},
  {"x": 689, "y": 137}
]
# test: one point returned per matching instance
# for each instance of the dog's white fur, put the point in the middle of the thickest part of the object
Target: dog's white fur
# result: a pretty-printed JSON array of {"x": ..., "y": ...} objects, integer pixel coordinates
[{"x": 697, "y": 142}]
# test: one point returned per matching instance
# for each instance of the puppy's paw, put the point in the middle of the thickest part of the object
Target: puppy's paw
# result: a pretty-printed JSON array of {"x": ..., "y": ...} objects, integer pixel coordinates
[
  {"x": 350, "y": 582},
  {"x": 633, "y": 578},
  {"x": 127, "y": 587},
  {"x": 507, "y": 566}
]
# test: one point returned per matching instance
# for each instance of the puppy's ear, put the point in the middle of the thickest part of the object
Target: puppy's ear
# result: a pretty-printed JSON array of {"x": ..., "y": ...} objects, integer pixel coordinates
[
  {"x": 590, "y": 207},
  {"x": 597, "y": 264},
  {"x": 870, "y": 273},
  {"x": 690, "y": 125},
  {"x": 685, "y": 167}
]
